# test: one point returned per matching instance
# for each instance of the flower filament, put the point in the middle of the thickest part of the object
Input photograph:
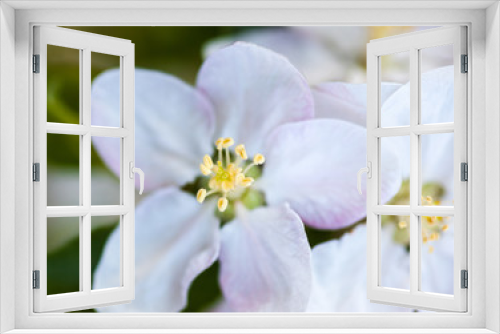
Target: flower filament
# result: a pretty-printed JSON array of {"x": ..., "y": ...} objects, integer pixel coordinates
[{"x": 227, "y": 179}]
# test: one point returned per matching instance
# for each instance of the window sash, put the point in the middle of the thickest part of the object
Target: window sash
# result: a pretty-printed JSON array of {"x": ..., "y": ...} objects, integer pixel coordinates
[
  {"x": 86, "y": 43},
  {"x": 413, "y": 42}
]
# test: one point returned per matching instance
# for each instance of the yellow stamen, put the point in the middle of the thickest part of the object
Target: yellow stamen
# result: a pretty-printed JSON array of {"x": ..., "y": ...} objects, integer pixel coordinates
[
  {"x": 247, "y": 181},
  {"x": 239, "y": 178},
  {"x": 227, "y": 179},
  {"x": 222, "y": 204},
  {"x": 259, "y": 159},
  {"x": 205, "y": 170},
  {"x": 200, "y": 196},
  {"x": 208, "y": 161},
  {"x": 240, "y": 150},
  {"x": 402, "y": 224},
  {"x": 228, "y": 142},
  {"x": 219, "y": 143}
]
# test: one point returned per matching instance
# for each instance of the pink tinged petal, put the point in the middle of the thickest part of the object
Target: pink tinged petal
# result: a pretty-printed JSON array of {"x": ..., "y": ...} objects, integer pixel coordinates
[
  {"x": 265, "y": 261},
  {"x": 176, "y": 239},
  {"x": 313, "y": 166},
  {"x": 173, "y": 129},
  {"x": 346, "y": 101},
  {"x": 307, "y": 53},
  {"x": 253, "y": 90},
  {"x": 339, "y": 271}
]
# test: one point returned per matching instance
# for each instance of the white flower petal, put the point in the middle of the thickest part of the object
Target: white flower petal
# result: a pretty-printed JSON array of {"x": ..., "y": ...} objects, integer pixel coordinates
[
  {"x": 253, "y": 90},
  {"x": 346, "y": 101},
  {"x": 437, "y": 107},
  {"x": 173, "y": 129},
  {"x": 265, "y": 261},
  {"x": 307, "y": 53},
  {"x": 437, "y": 267},
  {"x": 437, "y": 100},
  {"x": 313, "y": 166},
  {"x": 176, "y": 239},
  {"x": 339, "y": 271}
]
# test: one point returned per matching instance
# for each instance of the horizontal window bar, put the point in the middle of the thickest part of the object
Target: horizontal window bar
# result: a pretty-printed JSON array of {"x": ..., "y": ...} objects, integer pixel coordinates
[
  {"x": 433, "y": 210},
  {"x": 421, "y": 129},
  {"x": 77, "y": 129},
  {"x": 392, "y": 132},
  {"x": 424, "y": 129},
  {"x": 406, "y": 210},
  {"x": 79, "y": 211},
  {"x": 67, "y": 129},
  {"x": 400, "y": 210}
]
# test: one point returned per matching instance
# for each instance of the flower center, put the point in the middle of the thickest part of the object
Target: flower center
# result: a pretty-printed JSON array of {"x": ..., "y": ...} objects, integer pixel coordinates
[
  {"x": 229, "y": 179},
  {"x": 432, "y": 227}
]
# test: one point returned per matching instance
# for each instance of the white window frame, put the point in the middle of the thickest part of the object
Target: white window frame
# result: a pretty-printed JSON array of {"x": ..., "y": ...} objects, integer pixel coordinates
[
  {"x": 85, "y": 43},
  {"x": 413, "y": 43},
  {"x": 16, "y": 217}
]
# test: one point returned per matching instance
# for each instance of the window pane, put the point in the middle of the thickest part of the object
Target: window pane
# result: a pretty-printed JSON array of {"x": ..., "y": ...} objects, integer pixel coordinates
[
  {"x": 106, "y": 102},
  {"x": 63, "y": 178},
  {"x": 63, "y": 81},
  {"x": 437, "y": 254},
  {"x": 63, "y": 267},
  {"x": 437, "y": 104},
  {"x": 437, "y": 169},
  {"x": 395, "y": 68},
  {"x": 106, "y": 151},
  {"x": 106, "y": 254},
  {"x": 395, "y": 252},
  {"x": 401, "y": 145}
]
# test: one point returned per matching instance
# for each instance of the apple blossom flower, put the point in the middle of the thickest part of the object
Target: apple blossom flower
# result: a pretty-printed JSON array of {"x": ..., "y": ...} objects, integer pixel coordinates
[{"x": 245, "y": 95}]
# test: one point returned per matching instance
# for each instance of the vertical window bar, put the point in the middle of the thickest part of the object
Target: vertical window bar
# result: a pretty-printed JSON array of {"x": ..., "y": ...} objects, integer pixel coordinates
[
  {"x": 414, "y": 170},
  {"x": 85, "y": 251}
]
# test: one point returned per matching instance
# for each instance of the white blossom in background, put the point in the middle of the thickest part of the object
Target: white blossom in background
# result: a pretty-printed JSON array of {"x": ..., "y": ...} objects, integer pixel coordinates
[
  {"x": 340, "y": 276},
  {"x": 348, "y": 102}
]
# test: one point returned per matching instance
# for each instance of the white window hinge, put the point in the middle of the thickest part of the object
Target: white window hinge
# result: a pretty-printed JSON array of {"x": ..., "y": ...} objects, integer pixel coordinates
[
  {"x": 36, "y": 63},
  {"x": 464, "y": 279},
  {"x": 464, "y": 171},
  {"x": 465, "y": 64},
  {"x": 36, "y": 279},
  {"x": 36, "y": 172}
]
